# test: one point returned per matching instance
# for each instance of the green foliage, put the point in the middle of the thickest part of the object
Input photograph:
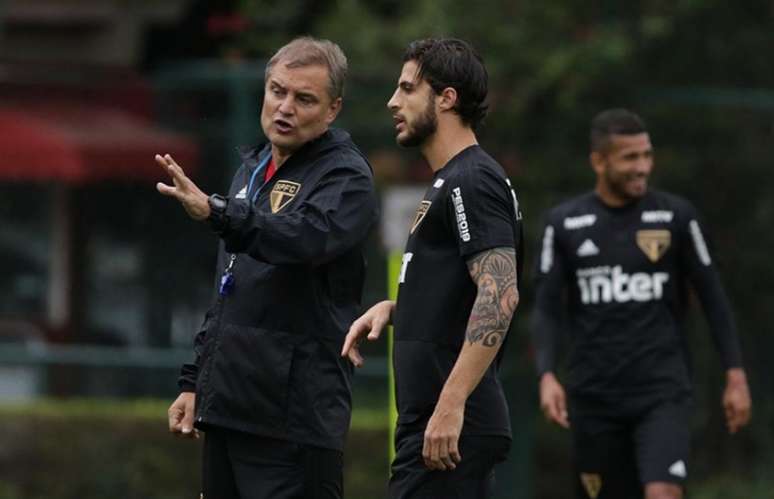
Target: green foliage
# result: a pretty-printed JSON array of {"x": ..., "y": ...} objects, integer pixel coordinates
[
  {"x": 725, "y": 486},
  {"x": 93, "y": 449}
]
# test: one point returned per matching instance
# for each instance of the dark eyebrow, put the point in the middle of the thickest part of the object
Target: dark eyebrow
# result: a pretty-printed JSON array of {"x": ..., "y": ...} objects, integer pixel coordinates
[
  {"x": 306, "y": 95},
  {"x": 634, "y": 154}
]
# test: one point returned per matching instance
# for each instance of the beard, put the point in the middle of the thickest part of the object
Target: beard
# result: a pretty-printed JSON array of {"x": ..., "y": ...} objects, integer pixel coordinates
[
  {"x": 423, "y": 127},
  {"x": 618, "y": 184}
]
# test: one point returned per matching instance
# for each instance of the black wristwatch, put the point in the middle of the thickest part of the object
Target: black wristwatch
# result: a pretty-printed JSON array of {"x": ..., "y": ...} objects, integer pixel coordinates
[{"x": 217, "y": 218}]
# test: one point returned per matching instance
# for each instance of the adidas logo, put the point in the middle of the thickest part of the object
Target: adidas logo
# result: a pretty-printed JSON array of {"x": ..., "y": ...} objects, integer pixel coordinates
[
  {"x": 678, "y": 469},
  {"x": 588, "y": 248},
  {"x": 241, "y": 194}
]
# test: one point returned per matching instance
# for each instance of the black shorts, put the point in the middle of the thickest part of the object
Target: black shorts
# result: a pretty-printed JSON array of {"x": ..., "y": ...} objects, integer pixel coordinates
[
  {"x": 619, "y": 449},
  {"x": 238, "y": 465},
  {"x": 474, "y": 476}
]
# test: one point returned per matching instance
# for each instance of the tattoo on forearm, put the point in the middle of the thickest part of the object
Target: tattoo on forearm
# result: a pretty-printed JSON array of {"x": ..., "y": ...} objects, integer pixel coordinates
[{"x": 494, "y": 272}]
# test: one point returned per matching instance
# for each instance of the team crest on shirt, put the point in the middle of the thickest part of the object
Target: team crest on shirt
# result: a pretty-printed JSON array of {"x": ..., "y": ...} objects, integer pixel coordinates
[
  {"x": 654, "y": 243},
  {"x": 283, "y": 192},
  {"x": 592, "y": 482},
  {"x": 421, "y": 212}
]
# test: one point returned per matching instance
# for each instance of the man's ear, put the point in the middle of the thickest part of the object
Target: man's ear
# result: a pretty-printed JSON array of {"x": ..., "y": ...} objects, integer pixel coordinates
[
  {"x": 333, "y": 110},
  {"x": 598, "y": 161},
  {"x": 448, "y": 99}
]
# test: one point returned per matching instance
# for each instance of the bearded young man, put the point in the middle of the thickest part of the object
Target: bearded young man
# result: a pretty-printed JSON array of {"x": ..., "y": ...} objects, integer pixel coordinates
[
  {"x": 616, "y": 262},
  {"x": 458, "y": 285},
  {"x": 267, "y": 384}
]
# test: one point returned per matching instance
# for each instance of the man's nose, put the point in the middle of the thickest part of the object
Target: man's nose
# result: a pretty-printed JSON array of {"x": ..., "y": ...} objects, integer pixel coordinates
[
  {"x": 643, "y": 165},
  {"x": 392, "y": 104},
  {"x": 286, "y": 105}
]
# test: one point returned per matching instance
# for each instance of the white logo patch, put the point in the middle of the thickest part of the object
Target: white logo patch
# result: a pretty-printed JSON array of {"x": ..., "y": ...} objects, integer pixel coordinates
[
  {"x": 698, "y": 242},
  {"x": 459, "y": 210},
  {"x": 547, "y": 255},
  {"x": 678, "y": 469},
  {"x": 438, "y": 183},
  {"x": 606, "y": 285},
  {"x": 515, "y": 201},
  {"x": 241, "y": 194},
  {"x": 588, "y": 248},
  {"x": 403, "y": 266},
  {"x": 657, "y": 216},
  {"x": 573, "y": 223}
]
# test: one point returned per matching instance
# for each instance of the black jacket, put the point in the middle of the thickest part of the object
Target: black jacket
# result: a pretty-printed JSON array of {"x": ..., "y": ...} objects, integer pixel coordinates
[{"x": 267, "y": 356}]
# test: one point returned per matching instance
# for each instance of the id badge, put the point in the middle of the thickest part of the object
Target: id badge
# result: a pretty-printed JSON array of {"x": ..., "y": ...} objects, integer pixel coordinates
[
  {"x": 227, "y": 279},
  {"x": 226, "y": 284}
]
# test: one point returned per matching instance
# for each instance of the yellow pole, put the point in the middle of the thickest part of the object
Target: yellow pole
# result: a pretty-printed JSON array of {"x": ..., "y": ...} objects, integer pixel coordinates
[{"x": 393, "y": 270}]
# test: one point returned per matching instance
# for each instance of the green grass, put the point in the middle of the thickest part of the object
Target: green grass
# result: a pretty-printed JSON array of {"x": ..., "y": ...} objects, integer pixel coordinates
[
  {"x": 145, "y": 409},
  {"x": 46, "y": 445}
]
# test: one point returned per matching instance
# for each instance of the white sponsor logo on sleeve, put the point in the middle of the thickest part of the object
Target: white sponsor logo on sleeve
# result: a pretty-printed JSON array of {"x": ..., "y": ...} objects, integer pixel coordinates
[
  {"x": 515, "y": 201},
  {"x": 547, "y": 254},
  {"x": 572, "y": 223},
  {"x": 459, "y": 211},
  {"x": 698, "y": 242}
]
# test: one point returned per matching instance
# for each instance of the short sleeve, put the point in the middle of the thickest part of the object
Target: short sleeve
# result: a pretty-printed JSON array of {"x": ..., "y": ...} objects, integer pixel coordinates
[{"x": 484, "y": 210}]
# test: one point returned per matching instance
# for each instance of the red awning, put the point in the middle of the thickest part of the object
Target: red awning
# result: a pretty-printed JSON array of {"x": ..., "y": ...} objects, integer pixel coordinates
[{"x": 76, "y": 144}]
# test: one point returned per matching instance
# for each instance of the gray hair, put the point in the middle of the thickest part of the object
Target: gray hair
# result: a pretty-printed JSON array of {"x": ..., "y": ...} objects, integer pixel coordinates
[{"x": 308, "y": 51}]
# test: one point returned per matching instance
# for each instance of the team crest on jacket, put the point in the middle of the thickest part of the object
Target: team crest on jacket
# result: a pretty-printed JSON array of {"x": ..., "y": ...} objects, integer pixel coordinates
[
  {"x": 283, "y": 192},
  {"x": 592, "y": 482},
  {"x": 654, "y": 243},
  {"x": 421, "y": 212}
]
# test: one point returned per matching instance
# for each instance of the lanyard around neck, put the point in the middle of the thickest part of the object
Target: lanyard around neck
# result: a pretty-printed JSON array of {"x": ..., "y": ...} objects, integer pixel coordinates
[
  {"x": 227, "y": 279},
  {"x": 261, "y": 167}
]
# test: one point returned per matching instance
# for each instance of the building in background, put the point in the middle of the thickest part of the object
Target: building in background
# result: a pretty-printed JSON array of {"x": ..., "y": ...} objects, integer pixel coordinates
[{"x": 87, "y": 246}]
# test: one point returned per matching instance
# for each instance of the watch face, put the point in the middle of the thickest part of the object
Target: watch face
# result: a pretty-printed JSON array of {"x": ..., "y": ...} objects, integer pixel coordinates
[
  {"x": 217, "y": 218},
  {"x": 218, "y": 202}
]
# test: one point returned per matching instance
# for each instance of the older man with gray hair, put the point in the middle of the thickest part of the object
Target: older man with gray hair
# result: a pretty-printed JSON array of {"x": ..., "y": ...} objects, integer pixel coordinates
[{"x": 267, "y": 385}]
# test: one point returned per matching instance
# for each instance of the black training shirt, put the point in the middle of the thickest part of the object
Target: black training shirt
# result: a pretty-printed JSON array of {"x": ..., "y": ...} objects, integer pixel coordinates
[
  {"x": 621, "y": 276},
  {"x": 470, "y": 207}
]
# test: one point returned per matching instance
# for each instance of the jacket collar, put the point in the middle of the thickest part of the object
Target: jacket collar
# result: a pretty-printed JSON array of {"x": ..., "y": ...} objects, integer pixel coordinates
[{"x": 252, "y": 155}]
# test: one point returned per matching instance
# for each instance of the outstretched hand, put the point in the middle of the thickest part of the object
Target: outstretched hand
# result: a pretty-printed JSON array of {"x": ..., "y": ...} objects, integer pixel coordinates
[
  {"x": 183, "y": 189},
  {"x": 370, "y": 325}
]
